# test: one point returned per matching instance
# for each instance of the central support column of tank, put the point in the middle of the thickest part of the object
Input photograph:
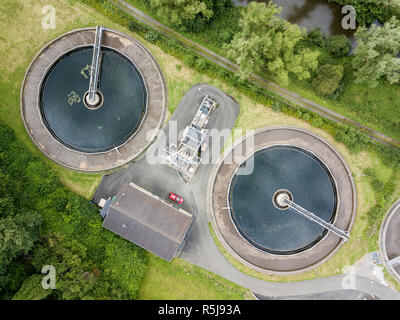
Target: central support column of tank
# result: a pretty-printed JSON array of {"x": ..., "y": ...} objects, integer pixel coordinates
[
  {"x": 93, "y": 97},
  {"x": 283, "y": 200}
]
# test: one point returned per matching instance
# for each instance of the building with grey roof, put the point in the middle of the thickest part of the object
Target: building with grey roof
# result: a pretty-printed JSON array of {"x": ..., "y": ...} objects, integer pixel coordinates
[{"x": 146, "y": 220}]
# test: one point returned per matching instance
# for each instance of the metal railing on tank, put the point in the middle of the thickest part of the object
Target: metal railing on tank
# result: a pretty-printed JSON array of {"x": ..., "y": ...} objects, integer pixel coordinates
[
  {"x": 96, "y": 64},
  {"x": 311, "y": 216}
]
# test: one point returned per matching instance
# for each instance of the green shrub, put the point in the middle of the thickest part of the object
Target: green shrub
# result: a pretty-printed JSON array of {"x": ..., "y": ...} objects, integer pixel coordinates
[
  {"x": 152, "y": 36},
  {"x": 201, "y": 64},
  {"x": 317, "y": 121},
  {"x": 277, "y": 106},
  {"x": 134, "y": 26},
  {"x": 189, "y": 60},
  {"x": 328, "y": 79},
  {"x": 338, "y": 46},
  {"x": 351, "y": 138}
]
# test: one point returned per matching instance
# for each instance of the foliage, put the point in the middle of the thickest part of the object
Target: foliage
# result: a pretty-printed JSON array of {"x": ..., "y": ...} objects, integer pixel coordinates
[
  {"x": 267, "y": 42},
  {"x": 338, "y": 46},
  {"x": 183, "y": 12},
  {"x": 370, "y": 10},
  {"x": 385, "y": 191},
  {"x": 351, "y": 138},
  {"x": 152, "y": 36},
  {"x": 32, "y": 289},
  {"x": 91, "y": 262},
  {"x": 376, "y": 56},
  {"x": 315, "y": 37},
  {"x": 328, "y": 79},
  {"x": 187, "y": 14},
  {"x": 366, "y": 98}
]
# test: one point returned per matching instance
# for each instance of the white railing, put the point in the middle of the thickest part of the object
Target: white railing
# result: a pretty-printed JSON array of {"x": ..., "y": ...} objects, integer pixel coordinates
[
  {"x": 94, "y": 74},
  {"x": 311, "y": 216}
]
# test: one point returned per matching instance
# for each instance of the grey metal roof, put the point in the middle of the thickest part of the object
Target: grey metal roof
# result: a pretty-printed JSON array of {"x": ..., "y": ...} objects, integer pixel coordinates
[{"x": 147, "y": 221}]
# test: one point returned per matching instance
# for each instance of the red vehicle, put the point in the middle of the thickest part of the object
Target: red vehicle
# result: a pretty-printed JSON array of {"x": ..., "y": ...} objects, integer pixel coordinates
[{"x": 175, "y": 197}]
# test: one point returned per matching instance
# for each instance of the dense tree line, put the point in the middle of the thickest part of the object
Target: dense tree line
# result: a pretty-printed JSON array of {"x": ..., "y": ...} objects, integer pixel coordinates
[
  {"x": 370, "y": 10},
  {"x": 192, "y": 15},
  {"x": 267, "y": 43},
  {"x": 43, "y": 223}
]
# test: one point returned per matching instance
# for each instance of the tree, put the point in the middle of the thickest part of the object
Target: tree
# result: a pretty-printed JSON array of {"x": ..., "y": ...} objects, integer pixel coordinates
[
  {"x": 267, "y": 43},
  {"x": 30, "y": 192},
  {"x": 376, "y": 55},
  {"x": 75, "y": 277},
  {"x": 370, "y": 10},
  {"x": 328, "y": 79},
  {"x": 316, "y": 38},
  {"x": 338, "y": 46},
  {"x": 180, "y": 12},
  {"x": 32, "y": 289},
  {"x": 19, "y": 231}
]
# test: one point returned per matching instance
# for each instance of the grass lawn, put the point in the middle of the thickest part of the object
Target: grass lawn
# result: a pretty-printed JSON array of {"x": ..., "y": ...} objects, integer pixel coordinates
[{"x": 180, "y": 280}]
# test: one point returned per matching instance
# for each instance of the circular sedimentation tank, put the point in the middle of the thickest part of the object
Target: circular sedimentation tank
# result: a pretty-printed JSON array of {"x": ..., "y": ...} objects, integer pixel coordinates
[
  {"x": 93, "y": 126},
  {"x": 253, "y": 185},
  {"x": 389, "y": 240},
  {"x": 99, "y": 132},
  {"x": 256, "y": 199}
]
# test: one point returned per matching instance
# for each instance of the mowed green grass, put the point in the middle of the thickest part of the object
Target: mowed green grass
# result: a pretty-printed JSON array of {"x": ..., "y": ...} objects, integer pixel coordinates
[{"x": 180, "y": 280}]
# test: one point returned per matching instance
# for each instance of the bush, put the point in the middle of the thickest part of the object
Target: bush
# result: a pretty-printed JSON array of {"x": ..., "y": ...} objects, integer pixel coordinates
[
  {"x": 338, "y": 46},
  {"x": 152, "y": 36},
  {"x": 189, "y": 60},
  {"x": 315, "y": 38},
  {"x": 134, "y": 26},
  {"x": 351, "y": 138},
  {"x": 328, "y": 79},
  {"x": 316, "y": 121},
  {"x": 277, "y": 106},
  {"x": 201, "y": 64}
]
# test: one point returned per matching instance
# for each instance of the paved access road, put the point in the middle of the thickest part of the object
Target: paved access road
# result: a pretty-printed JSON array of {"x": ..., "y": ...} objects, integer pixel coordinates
[{"x": 329, "y": 295}]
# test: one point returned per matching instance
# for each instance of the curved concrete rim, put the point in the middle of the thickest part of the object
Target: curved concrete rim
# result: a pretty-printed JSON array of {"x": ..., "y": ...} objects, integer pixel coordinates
[
  {"x": 326, "y": 247},
  {"x": 130, "y": 149},
  {"x": 382, "y": 238}
]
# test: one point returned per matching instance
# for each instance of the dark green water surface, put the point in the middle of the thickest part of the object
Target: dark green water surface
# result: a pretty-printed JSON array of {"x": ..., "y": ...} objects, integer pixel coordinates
[
  {"x": 260, "y": 222},
  {"x": 80, "y": 128}
]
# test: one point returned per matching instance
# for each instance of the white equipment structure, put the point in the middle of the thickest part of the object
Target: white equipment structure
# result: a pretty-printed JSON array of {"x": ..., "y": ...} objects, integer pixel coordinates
[{"x": 185, "y": 157}]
